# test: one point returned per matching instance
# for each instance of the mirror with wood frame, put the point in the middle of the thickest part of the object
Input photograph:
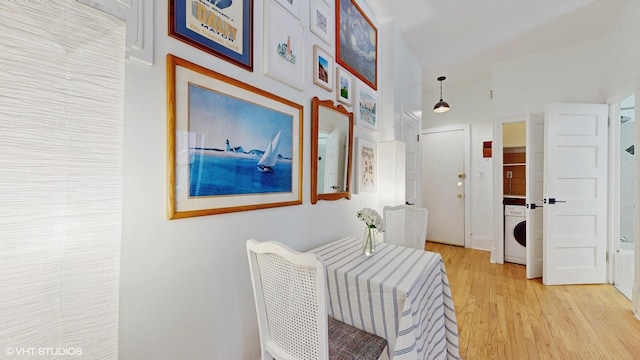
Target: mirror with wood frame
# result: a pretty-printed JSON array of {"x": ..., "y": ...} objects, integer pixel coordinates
[{"x": 331, "y": 150}]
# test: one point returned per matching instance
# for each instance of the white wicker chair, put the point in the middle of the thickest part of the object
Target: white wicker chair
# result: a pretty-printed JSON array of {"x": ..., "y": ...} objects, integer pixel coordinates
[
  {"x": 290, "y": 295},
  {"x": 405, "y": 225}
]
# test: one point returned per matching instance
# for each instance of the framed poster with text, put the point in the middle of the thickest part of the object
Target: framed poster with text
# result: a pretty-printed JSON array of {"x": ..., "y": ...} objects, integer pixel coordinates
[{"x": 223, "y": 28}]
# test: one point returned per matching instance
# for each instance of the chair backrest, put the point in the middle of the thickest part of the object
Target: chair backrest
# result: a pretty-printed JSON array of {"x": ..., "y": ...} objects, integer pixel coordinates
[
  {"x": 405, "y": 225},
  {"x": 290, "y": 295}
]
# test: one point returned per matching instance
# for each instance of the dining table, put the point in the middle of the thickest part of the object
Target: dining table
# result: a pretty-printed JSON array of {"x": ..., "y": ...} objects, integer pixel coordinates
[{"x": 399, "y": 293}]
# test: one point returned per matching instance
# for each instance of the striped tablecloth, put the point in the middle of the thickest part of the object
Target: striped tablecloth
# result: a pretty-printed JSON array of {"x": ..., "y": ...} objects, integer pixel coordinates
[{"x": 399, "y": 293}]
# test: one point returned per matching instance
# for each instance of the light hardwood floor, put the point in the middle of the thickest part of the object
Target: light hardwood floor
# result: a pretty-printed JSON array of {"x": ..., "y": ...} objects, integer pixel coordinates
[{"x": 502, "y": 315}]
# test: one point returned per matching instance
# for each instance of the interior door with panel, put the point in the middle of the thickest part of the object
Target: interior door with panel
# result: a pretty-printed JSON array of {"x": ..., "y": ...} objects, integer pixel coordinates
[
  {"x": 410, "y": 136},
  {"x": 534, "y": 195},
  {"x": 575, "y": 194},
  {"x": 444, "y": 183}
]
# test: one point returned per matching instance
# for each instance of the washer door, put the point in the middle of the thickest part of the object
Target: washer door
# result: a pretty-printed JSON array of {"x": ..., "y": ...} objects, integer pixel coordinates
[{"x": 520, "y": 233}]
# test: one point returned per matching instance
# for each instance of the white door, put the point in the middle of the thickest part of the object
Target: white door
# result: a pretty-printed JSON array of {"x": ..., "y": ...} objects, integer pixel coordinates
[
  {"x": 535, "y": 180},
  {"x": 444, "y": 180},
  {"x": 331, "y": 167},
  {"x": 410, "y": 132},
  {"x": 575, "y": 194}
]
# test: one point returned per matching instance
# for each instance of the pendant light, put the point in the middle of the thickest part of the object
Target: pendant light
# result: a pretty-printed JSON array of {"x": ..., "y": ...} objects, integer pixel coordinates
[{"x": 442, "y": 105}]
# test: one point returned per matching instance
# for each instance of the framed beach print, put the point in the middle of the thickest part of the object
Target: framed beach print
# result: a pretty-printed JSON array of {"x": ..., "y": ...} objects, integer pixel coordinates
[
  {"x": 321, "y": 21},
  {"x": 322, "y": 68},
  {"x": 356, "y": 42},
  {"x": 284, "y": 46},
  {"x": 344, "y": 84},
  {"x": 223, "y": 28},
  {"x": 366, "y": 108},
  {"x": 292, "y": 6},
  {"x": 231, "y": 146},
  {"x": 366, "y": 166}
]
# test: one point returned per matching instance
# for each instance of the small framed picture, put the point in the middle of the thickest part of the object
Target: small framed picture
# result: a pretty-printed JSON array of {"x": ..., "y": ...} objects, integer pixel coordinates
[
  {"x": 322, "y": 68},
  {"x": 366, "y": 108},
  {"x": 291, "y": 5},
  {"x": 283, "y": 46},
  {"x": 366, "y": 166},
  {"x": 321, "y": 21},
  {"x": 344, "y": 85}
]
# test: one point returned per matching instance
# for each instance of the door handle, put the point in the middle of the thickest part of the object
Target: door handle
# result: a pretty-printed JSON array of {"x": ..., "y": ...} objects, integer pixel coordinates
[
  {"x": 553, "y": 201},
  {"x": 409, "y": 203},
  {"x": 533, "y": 206}
]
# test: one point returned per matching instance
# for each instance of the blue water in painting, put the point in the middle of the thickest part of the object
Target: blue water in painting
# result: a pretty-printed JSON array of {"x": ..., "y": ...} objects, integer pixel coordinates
[{"x": 221, "y": 175}]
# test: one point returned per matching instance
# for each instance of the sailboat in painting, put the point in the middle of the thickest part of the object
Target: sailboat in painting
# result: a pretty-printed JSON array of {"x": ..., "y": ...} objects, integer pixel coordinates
[{"x": 270, "y": 157}]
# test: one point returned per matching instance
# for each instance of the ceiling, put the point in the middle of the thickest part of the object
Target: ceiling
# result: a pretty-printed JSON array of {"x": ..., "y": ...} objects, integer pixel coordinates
[{"x": 462, "y": 39}]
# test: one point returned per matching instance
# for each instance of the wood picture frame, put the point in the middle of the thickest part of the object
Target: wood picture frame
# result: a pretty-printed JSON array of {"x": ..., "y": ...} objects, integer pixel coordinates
[
  {"x": 284, "y": 46},
  {"x": 366, "y": 108},
  {"x": 344, "y": 87},
  {"x": 231, "y": 146},
  {"x": 356, "y": 42},
  {"x": 224, "y": 30},
  {"x": 321, "y": 21},
  {"x": 366, "y": 166},
  {"x": 322, "y": 68}
]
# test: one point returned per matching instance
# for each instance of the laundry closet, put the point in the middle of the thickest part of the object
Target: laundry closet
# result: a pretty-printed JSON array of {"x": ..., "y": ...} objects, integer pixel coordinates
[
  {"x": 514, "y": 192},
  {"x": 563, "y": 155}
]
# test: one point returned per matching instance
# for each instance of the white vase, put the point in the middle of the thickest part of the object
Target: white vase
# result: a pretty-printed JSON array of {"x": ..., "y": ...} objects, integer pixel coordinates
[{"x": 369, "y": 241}]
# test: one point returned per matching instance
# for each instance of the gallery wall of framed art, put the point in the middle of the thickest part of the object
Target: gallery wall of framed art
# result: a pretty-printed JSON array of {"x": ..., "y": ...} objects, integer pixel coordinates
[
  {"x": 299, "y": 40},
  {"x": 183, "y": 226}
]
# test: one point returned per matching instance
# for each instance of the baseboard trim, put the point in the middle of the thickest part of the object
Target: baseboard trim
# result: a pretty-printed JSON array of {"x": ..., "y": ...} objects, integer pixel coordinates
[{"x": 481, "y": 242}]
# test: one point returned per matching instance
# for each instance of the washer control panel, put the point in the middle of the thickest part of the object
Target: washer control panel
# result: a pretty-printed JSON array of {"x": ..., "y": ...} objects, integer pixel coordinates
[{"x": 514, "y": 210}]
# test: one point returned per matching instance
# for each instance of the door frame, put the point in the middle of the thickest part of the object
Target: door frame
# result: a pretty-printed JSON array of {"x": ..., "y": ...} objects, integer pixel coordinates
[
  {"x": 406, "y": 116},
  {"x": 466, "y": 129},
  {"x": 614, "y": 188},
  {"x": 497, "y": 250},
  {"x": 635, "y": 296},
  {"x": 614, "y": 204}
]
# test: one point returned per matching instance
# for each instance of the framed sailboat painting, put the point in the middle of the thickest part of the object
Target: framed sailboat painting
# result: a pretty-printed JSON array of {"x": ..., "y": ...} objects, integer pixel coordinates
[{"x": 232, "y": 147}]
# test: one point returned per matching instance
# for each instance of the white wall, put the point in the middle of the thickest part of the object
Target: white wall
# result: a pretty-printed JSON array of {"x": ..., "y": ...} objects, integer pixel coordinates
[
  {"x": 401, "y": 80},
  {"x": 185, "y": 289},
  {"x": 470, "y": 104},
  {"x": 402, "y": 76},
  {"x": 596, "y": 70}
]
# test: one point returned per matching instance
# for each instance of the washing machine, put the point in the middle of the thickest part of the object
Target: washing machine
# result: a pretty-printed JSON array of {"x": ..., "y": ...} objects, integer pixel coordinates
[{"x": 515, "y": 234}]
